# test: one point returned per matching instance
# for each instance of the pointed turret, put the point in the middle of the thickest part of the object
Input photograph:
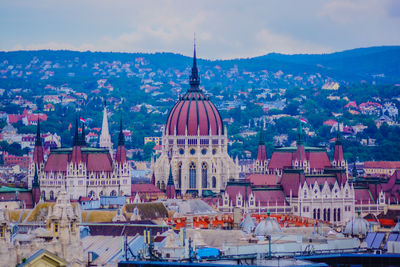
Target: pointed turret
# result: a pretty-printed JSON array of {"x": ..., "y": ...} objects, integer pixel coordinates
[
  {"x": 338, "y": 156},
  {"x": 194, "y": 77},
  {"x": 170, "y": 185},
  {"x": 38, "y": 157},
  {"x": 300, "y": 153},
  {"x": 76, "y": 156},
  {"x": 83, "y": 136},
  {"x": 261, "y": 153},
  {"x": 120, "y": 157},
  {"x": 35, "y": 188},
  {"x": 105, "y": 138}
]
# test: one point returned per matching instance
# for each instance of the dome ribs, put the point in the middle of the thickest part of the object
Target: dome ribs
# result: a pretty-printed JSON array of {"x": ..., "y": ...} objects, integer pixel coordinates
[{"x": 208, "y": 120}]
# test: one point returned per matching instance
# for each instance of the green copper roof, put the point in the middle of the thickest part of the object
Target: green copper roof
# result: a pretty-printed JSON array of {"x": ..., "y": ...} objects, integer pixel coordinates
[{"x": 7, "y": 189}]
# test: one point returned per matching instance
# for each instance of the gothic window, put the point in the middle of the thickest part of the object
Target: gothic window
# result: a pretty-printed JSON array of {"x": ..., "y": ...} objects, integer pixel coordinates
[
  {"x": 180, "y": 175},
  {"x": 158, "y": 185},
  {"x": 324, "y": 214},
  {"x": 334, "y": 215},
  {"x": 91, "y": 194},
  {"x": 204, "y": 151},
  {"x": 347, "y": 193},
  {"x": 204, "y": 175},
  {"x": 181, "y": 151},
  {"x": 192, "y": 175},
  {"x": 192, "y": 151},
  {"x": 113, "y": 193},
  {"x": 51, "y": 195},
  {"x": 101, "y": 193},
  {"x": 43, "y": 195},
  {"x": 319, "y": 214},
  {"x": 214, "y": 182},
  {"x": 214, "y": 151},
  {"x": 314, "y": 214},
  {"x": 338, "y": 214},
  {"x": 305, "y": 193},
  {"x": 329, "y": 215}
]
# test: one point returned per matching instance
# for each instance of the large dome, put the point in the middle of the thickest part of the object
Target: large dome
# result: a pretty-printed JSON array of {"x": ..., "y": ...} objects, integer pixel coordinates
[{"x": 194, "y": 111}]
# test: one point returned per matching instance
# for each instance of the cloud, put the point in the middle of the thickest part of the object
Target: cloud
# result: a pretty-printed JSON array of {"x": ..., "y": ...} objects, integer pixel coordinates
[{"x": 224, "y": 28}]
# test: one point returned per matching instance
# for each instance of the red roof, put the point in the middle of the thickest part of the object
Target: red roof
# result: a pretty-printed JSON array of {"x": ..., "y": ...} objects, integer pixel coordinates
[
  {"x": 194, "y": 112},
  {"x": 270, "y": 198},
  {"x": 232, "y": 190},
  {"x": 330, "y": 122},
  {"x": 263, "y": 179},
  {"x": 382, "y": 164},
  {"x": 145, "y": 189},
  {"x": 363, "y": 196}
]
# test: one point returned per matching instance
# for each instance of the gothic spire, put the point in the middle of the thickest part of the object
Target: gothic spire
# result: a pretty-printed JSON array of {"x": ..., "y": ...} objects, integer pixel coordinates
[
  {"x": 300, "y": 139},
  {"x": 170, "y": 178},
  {"x": 38, "y": 141},
  {"x": 83, "y": 136},
  {"x": 35, "y": 183},
  {"x": 121, "y": 139},
  {"x": 76, "y": 136},
  {"x": 194, "y": 77}
]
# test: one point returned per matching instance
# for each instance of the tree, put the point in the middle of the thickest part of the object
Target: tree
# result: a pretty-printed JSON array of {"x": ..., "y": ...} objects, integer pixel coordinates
[{"x": 148, "y": 150}]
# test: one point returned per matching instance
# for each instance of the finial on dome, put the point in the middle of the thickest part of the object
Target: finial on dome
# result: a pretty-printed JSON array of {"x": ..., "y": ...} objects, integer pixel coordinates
[{"x": 194, "y": 77}]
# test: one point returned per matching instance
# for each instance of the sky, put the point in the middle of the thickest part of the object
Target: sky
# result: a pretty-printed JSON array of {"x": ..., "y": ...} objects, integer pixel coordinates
[{"x": 224, "y": 29}]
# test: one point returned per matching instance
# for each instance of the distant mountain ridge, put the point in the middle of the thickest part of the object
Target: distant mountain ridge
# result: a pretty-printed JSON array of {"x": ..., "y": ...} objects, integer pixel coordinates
[{"x": 372, "y": 64}]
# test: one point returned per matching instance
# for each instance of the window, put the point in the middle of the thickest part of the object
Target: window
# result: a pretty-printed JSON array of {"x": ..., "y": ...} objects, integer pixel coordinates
[
  {"x": 180, "y": 175},
  {"x": 214, "y": 151},
  {"x": 51, "y": 195},
  {"x": 55, "y": 227},
  {"x": 192, "y": 151},
  {"x": 192, "y": 175},
  {"x": 214, "y": 182},
  {"x": 204, "y": 151},
  {"x": 113, "y": 193},
  {"x": 181, "y": 151},
  {"x": 204, "y": 175}
]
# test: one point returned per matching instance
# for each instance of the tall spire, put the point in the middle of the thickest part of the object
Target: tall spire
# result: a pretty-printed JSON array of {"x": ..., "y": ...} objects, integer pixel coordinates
[
  {"x": 76, "y": 136},
  {"x": 121, "y": 138},
  {"x": 261, "y": 153},
  {"x": 120, "y": 156},
  {"x": 83, "y": 136},
  {"x": 171, "y": 193},
  {"x": 38, "y": 141},
  {"x": 35, "y": 183},
  {"x": 300, "y": 139},
  {"x": 194, "y": 77},
  {"x": 38, "y": 155},
  {"x": 105, "y": 138}
]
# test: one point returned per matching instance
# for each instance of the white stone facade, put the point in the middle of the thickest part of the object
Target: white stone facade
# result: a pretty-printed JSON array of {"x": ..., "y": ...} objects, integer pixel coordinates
[{"x": 198, "y": 163}]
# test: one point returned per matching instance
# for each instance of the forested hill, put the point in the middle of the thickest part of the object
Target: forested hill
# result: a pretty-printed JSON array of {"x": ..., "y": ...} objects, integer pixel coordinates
[{"x": 373, "y": 64}]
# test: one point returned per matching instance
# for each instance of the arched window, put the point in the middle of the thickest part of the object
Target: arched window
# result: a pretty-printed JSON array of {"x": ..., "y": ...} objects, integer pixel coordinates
[
  {"x": 334, "y": 215},
  {"x": 329, "y": 215},
  {"x": 338, "y": 214},
  {"x": 180, "y": 175},
  {"x": 204, "y": 175},
  {"x": 51, "y": 195},
  {"x": 43, "y": 195},
  {"x": 324, "y": 214},
  {"x": 314, "y": 214},
  {"x": 113, "y": 193},
  {"x": 192, "y": 175},
  {"x": 101, "y": 193},
  {"x": 158, "y": 185},
  {"x": 214, "y": 182},
  {"x": 319, "y": 214}
]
